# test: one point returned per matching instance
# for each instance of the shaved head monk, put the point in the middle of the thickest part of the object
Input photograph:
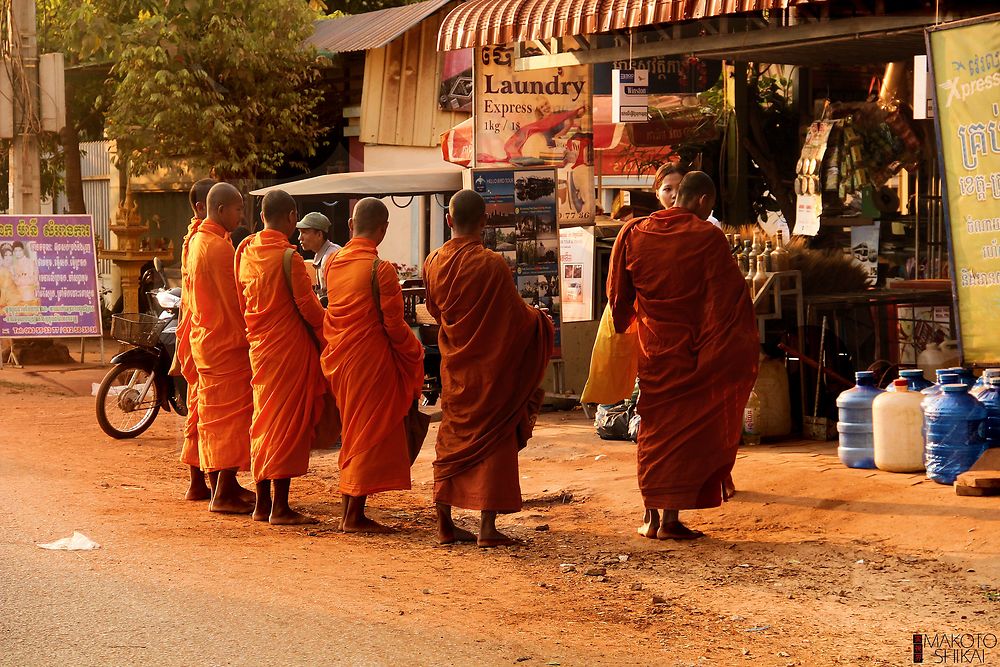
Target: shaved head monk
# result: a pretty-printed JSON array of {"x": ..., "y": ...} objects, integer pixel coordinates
[
  {"x": 184, "y": 362},
  {"x": 280, "y": 309},
  {"x": 220, "y": 352},
  {"x": 494, "y": 352},
  {"x": 375, "y": 366},
  {"x": 698, "y": 349}
]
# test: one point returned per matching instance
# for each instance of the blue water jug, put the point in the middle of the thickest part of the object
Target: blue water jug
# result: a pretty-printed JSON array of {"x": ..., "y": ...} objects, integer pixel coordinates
[
  {"x": 983, "y": 383},
  {"x": 944, "y": 376},
  {"x": 915, "y": 380},
  {"x": 966, "y": 376},
  {"x": 990, "y": 398},
  {"x": 856, "y": 440},
  {"x": 954, "y": 426}
]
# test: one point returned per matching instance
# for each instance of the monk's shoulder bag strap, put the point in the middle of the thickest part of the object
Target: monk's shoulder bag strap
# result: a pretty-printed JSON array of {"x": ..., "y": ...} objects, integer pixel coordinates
[{"x": 286, "y": 268}]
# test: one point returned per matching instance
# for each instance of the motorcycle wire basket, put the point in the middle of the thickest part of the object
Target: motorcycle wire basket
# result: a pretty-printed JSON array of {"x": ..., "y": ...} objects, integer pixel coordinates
[{"x": 137, "y": 329}]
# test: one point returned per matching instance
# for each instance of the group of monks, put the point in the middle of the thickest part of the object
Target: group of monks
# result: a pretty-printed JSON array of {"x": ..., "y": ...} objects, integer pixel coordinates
[{"x": 266, "y": 364}]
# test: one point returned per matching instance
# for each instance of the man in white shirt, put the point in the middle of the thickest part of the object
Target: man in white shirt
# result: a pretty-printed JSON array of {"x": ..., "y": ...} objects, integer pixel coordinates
[{"x": 313, "y": 230}]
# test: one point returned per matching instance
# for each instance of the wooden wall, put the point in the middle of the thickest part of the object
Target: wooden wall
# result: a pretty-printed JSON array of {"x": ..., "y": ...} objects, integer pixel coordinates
[{"x": 399, "y": 105}]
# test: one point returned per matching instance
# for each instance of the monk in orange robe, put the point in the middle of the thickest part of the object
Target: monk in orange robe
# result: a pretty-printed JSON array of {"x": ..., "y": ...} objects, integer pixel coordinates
[
  {"x": 673, "y": 273},
  {"x": 375, "y": 366},
  {"x": 198, "y": 489},
  {"x": 494, "y": 352},
  {"x": 220, "y": 352},
  {"x": 288, "y": 385}
]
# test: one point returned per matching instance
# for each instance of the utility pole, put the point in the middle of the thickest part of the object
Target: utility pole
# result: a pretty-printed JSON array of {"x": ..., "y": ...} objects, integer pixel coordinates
[{"x": 25, "y": 168}]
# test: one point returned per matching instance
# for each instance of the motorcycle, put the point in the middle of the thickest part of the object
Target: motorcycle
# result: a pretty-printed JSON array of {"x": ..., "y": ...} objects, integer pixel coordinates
[{"x": 139, "y": 384}]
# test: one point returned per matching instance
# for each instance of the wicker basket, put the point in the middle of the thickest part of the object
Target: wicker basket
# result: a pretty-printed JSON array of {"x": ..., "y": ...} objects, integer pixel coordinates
[{"x": 137, "y": 329}]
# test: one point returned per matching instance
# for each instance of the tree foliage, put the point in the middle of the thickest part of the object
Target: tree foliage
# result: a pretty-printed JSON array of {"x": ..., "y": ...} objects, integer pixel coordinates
[{"x": 222, "y": 84}]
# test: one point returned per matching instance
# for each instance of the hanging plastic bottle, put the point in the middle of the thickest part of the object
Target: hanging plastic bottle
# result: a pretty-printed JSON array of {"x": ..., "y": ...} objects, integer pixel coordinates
[
  {"x": 856, "y": 443},
  {"x": 897, "y": 426},
  {"x": 990, "y": 399},
  {"x": 954, "y": 426},
  {"x": 751, "y": 420}
]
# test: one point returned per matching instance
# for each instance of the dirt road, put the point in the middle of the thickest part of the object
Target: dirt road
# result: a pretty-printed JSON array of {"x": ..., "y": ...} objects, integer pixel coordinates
[{"x": 811, "y": 564}]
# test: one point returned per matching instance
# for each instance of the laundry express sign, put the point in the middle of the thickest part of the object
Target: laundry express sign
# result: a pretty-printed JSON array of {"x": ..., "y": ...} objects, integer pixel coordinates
[{"x": 540, "y": 118}]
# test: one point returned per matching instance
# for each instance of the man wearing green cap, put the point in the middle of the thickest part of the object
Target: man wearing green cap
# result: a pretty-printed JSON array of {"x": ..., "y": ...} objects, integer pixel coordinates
[{"x": 313, "y": 230}]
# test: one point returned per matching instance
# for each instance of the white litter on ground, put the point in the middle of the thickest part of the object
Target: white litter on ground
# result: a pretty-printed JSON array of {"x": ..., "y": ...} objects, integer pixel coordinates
[{"x": 78, "y": 542}]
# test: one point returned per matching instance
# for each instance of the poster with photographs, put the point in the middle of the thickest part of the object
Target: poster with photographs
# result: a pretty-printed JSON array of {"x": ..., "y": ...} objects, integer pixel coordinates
[
  {"x": 523, "y": 227},
  {"x": 539, "y": 118},
  {"x": 576, "y": 257},
  {"x": 48, "y": 277}
]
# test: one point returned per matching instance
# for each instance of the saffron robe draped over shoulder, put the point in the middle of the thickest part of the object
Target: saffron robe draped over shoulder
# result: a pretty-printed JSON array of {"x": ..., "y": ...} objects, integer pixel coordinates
[
  {"x": 220, "y": 351},
  {"x": 494, "y": 352},
  {"x": 288, "y": 384},
  {"x": 699, "y": 346},
  {"x": 189, "y": 450},
  {"x": 376, "y": 370}
]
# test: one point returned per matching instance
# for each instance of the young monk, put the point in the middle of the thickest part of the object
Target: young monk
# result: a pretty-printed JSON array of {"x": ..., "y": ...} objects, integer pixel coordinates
[
  {"x": 198, "y": 489},
  {"x": 288, "y": 384},
  {"x": 494, "y": 352},
  {"x": 220, "y": 352},
  {"x": 375, "y": 366},
  {"x": 697, "y": 358}
]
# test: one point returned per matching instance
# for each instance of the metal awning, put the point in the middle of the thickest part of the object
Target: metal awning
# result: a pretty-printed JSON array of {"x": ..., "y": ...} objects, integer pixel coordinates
[
  {"x": 445, "y": 179},
  {"x": 499, "y": 22},
  {"x": 371, "y": 30}
]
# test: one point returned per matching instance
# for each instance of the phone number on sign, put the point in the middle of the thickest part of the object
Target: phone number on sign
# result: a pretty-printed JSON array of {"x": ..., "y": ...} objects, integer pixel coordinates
[{"x": 52, "y": 331}]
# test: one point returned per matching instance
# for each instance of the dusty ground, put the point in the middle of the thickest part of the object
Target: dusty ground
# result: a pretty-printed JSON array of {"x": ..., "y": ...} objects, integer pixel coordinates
[{"x": 811, "y": 564}]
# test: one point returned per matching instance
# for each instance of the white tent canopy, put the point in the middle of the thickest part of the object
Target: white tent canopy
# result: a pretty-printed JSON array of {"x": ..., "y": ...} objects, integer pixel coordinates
[{"x": 444, "y": 179}]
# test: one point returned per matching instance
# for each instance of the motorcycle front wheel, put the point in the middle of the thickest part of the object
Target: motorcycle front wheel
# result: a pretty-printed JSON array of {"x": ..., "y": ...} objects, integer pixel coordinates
[{"x": 128, "y": 400}]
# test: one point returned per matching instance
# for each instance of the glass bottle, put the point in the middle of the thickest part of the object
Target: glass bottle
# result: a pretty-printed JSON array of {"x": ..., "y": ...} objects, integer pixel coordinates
[
  {"x": 749, "y": 276},
  {"x": 759, "y": 279},
  {"x": 766, "y": 254},
  {"x": 737, "y": 246},
  {"x": 752, "y": 256},
  {"x": 780, "y": 260},
  {"x": 745, "y": 257}
]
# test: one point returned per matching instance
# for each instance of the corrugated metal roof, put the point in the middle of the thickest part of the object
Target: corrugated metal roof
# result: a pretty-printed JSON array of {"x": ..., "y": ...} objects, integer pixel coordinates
[
  {"x": 489, "y": 22},
  {"x": 371, "y": 30}
]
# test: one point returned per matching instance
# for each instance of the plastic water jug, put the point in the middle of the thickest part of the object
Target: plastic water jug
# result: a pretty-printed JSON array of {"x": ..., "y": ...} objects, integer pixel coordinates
[
  {"x": 983, "y": 383},
  {"x": 944, "y": 376},
  {"x": 990, "y": 399},
  {"x": 914, "y": 380},
  {"x": 954, "y": 425},
  {"x": 965, "y": 375},
  {"x": 937, "y": 355},
  {"x": 856, "y": 445},
  {"x": 897, "y": 425}
]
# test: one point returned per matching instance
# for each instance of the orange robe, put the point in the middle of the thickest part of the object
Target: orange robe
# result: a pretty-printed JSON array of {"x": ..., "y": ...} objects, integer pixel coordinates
[
  {"x": 698, "y": 349},
  {"x": 494, "y": 352},
  {"x": 288, "y": 384},
  {"x": 189, "y": 450},
  {"x": 376, "y": 371},
  {"x": 219, "y": 350}
]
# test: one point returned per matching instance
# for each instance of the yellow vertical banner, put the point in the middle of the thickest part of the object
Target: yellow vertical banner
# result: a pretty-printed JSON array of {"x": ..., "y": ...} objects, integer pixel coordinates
[{"x": 965, "y": 59}]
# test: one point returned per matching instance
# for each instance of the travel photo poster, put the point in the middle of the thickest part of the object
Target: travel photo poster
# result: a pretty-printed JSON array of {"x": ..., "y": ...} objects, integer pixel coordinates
[{"x": 522, "y": 227}]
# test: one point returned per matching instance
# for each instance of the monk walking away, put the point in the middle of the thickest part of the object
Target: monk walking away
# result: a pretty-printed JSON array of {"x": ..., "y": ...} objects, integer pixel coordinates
[
  {"x": 283, "y": 319},
  {"x": 494, "y": 352},
  {"x": 183, "y": 361},
  {"x": 698, "y": 353},
  {"x": 220, "y": 352},
  {"x": 374, "y": 364}
]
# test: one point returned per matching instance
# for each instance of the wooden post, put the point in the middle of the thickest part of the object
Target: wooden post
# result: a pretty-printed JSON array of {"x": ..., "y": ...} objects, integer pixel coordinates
[{"x": 738, "y": 212}]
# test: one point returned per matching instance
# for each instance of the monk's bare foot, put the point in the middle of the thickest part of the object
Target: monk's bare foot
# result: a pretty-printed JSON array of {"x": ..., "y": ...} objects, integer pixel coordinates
[
  {"x": 455, "y": 534},
  {"x": 497, "y": 540},
  {"x": 231, "y": 506},
  {"x": 261, "y": 513},
  {"x": 247, "y": 495},
  {"x": 365, "y": 525},
  {"x": 728, "y": 488},
  {"x": 675, "y": 530},
  {"x": 651, "y": 524},
  {"x": 290, "y": 517},
  {"x": 196, "y": 492}
]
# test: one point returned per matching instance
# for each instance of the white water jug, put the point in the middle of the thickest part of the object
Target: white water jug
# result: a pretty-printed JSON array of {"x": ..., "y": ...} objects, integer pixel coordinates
[{"x": 897, "y": 423}]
